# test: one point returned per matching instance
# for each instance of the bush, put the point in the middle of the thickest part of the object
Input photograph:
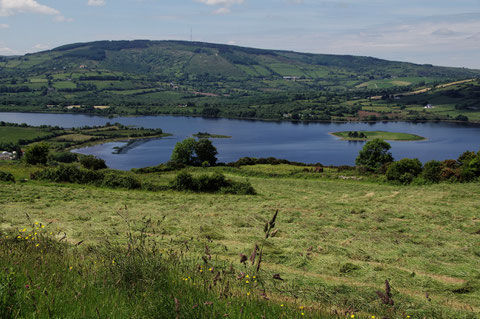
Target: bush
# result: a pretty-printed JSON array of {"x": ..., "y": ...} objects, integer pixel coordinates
[
  {"x": 184, "y": 181},
  {"x": 432, "y": 171},
  {"x": 69, "y": 174},
  {"x": 64, "y": 157},
  {"x": 37, "y": 154},
  {"x": 210, "y": 184},
  {"x": 404, "y": 171},
  {"x": 115, "y": 180},
  {"x": 6, "y": 177},
  {"x": 93, "y": 163}
]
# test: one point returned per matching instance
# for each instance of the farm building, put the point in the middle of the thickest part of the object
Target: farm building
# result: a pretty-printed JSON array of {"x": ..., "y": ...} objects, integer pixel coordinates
[{"x": 4, "y": 155}]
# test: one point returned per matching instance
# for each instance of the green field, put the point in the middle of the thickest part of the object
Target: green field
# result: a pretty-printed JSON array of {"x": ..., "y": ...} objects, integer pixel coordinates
[
  {"x": 387, "y": 136},
  {"x": 14, "y": 134},
  {"x": 337, "y": 242}
]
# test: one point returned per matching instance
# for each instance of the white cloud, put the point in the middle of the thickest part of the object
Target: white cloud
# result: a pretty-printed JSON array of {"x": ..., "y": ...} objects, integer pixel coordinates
[
  {"x": 222, "y": 11},
  {"x": 4, "y": 26},
  {"x": 41, "y": 46},
  {"x": 11, "y": 7},
  {"x": 7, "y": 51},
  {"x": 96, "y": 3},
  {"x": 221, "y": 2},
  {"x": 61, "y": 18}
]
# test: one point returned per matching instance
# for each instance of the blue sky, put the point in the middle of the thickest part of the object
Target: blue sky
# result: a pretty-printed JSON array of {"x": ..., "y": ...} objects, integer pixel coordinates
[{"x": 438, "y": 32}]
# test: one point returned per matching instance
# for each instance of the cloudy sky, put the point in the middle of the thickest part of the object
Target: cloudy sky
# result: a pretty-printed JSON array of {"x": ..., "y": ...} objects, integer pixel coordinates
[{"x": 441, "y": 32}]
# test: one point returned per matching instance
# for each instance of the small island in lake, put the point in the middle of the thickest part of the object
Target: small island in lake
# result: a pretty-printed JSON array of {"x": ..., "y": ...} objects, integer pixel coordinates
[
  {"x": 208, "y": 135},
  {"x": 370, "y": 135}
]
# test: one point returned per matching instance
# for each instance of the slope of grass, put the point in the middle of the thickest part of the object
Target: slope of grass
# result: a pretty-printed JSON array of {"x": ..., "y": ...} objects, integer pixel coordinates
[{"x": 337, "y": 241}]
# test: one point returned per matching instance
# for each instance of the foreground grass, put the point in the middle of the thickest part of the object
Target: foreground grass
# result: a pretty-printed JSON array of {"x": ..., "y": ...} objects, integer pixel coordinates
[
  {"x": 337, "y": 241},
  {"x": 41, "y": 277}
]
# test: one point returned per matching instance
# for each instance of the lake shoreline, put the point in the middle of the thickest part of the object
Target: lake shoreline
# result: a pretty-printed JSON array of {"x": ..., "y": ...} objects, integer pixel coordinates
[{"x": 112, "y": 117}]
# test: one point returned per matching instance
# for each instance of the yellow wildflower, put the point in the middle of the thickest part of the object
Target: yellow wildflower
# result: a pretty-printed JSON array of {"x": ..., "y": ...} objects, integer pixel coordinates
[
  {"x": 248, "y": 293},
  {"x": 37, "y": 245},
  {"x": 303, "y": 314},
  {"x": 43, "y": 226},
  {"x": 282, "y": 305},
  {"x": 36, "y": 223},
  {"x": 246, "y": 281},
  {"x": 352, "y": 316},
  {"x": 247, "y": 276}
]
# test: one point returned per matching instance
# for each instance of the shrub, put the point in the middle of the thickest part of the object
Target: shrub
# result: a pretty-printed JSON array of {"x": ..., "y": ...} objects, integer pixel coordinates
[
  {"x": 6, "y": 177},
  {"x": 37, "y": 154},
  {"x": 115, "y": 179},
  {"x": 183, "y": 181},
  {"x": 404, "y": 170},
  {"x": 210, "y": 184},
  {"x": 432, "y": 171},
  {"x": 69, "y": 174},
  {"x": 64, "y": 157},
  {"x": 239, "y": 188},
  {"x": 93, "y": 163}
]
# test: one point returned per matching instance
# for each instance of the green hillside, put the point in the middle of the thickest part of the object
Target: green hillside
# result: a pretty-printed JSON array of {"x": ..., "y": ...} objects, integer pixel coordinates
[{"x": 194, "y": 78}]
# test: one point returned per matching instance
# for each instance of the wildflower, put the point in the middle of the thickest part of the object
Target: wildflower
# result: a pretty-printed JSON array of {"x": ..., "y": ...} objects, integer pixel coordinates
[
  {"x": 210, "y": 269},
  {"x": 373, "y": 317},
  {"x": 282, "y": 305},
  {"x": 24, "y": 230},
  {"x": 43, "y": 226},
  {"x": 6, "y": 237},
  {"x": 70, "y": 268},
  {"x": 301, "y": 307},
  {"x": 303, "y": 314},
  {"x": 247, "y": 276},
  {"x": 248, "y": 293},
  {"x": 352, "y": 316},
  {"x": 113, "y": 261},
  {"x": 37, "y": 245},
  {"x": 19, "y": 237},
  {"x": 201, "y": 270},
  {"x": 36, "y": 223},
  {"x": 26, "y": 238},
  {"x": 35, "y": 234},
  {"x": 247, "y": 282},
  {"x": 254, "y": 277}
]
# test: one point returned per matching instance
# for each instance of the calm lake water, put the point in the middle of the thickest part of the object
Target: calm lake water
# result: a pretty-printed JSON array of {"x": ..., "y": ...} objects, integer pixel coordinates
[{"x": 303, "y": 142}]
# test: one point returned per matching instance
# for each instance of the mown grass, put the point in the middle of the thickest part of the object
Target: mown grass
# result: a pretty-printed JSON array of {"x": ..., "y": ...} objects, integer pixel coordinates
[
  {"x": 337, "y": 241},
  {"x": 42, "y": 276}
]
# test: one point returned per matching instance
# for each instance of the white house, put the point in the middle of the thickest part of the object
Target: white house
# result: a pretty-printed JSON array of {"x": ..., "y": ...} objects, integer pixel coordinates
[
  {"x": 7, "y": 155},
  {"x": 428, "y": 106}
]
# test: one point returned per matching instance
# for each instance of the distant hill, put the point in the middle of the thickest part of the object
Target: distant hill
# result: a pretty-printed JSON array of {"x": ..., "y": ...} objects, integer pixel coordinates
[{"x": 142, "y": 77}]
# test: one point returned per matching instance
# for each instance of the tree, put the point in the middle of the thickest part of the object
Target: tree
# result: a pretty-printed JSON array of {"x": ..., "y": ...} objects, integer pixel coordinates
[
  {"x": 374, "y": 154},
  {"x": 37, "y": 154},
  {"x": 192, "y": 152},
  {"x": 206, "y": 152},
  {"x": 184, "y": 152}
]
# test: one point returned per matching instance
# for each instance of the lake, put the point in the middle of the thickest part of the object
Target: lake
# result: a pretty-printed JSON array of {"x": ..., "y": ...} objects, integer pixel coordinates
[{"x": 303, "y": 142}]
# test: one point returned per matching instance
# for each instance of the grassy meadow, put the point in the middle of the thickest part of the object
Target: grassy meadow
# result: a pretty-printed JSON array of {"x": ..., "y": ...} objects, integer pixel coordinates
[{"x": 338, "y": 237}]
